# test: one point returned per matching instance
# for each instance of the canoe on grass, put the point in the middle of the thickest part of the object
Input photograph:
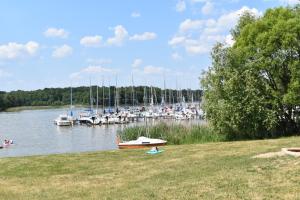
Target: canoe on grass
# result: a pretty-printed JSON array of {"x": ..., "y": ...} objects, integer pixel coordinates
[{"x": 154, "y": 151}]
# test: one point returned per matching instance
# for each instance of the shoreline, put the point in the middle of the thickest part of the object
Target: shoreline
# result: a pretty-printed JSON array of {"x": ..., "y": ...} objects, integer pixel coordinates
[{"x": 24, "y": 108}]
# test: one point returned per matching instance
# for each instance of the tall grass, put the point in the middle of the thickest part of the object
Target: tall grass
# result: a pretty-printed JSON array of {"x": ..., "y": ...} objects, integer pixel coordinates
[{"x": 174, "y": 133}]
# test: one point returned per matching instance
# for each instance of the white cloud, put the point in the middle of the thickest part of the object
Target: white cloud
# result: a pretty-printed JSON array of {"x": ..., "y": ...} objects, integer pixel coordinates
[
  {"x": 56, "y": 32},
  {"x": 290, "y": 2},
  {"x": 92, "y": 69},
  {"x": 228, "y": 21},
  {"x": 99, "y": 61},
  {"x": 196, "y": 49},
  {"x": 198, "y": 1},
  {"x": 137, "y": 62},
  {"x": 120, "y": 35},
  {"x": 177, "y": 40},
  {"x": 4, "y": 74},
  {"x": 180, "y": 6},
  {"x": 91, "y": 41},
  {"x": 207, "y": 8},
  {"x": 199, "y": 36},
  {"x": 150, "y": 69},
  {"x": 14, "y": 50},
  {"x": 144, "y": 36},
  {"x": 189, "y": 24},
  {"x": 135, "y": 14},
  {"x": 176, "y": 56},
  {"x": 97, "y": 69},
  {"x": 229, "y": 40},
  {"x": 62, "y": 51}
]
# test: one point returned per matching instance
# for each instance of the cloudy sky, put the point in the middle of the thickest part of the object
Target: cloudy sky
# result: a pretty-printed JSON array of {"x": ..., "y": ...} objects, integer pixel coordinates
[{"x": 62, "y": 42}]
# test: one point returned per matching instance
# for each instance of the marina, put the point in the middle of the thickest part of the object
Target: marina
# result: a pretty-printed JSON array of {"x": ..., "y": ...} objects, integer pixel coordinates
[
  {"x": 36, "y": 133},
  {"x": 151, "y": 107}
]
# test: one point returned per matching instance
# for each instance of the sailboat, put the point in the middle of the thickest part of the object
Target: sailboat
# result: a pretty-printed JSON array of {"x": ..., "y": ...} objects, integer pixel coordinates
[
  {"x": 66, "y": 119},
  {"x": 89, "y": 117}
]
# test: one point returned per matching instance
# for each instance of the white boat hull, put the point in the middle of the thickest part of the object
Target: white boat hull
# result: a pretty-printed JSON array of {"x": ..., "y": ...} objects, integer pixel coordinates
[{"x": 141, "y": 142}]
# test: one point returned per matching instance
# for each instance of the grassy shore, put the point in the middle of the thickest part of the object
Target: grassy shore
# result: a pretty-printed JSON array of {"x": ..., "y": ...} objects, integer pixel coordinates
[{"x": 200, "y": 171}]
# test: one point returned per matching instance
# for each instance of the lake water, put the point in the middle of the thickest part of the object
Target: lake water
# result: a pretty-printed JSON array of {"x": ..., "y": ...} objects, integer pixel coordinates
[{"x": 34, "y": 133}]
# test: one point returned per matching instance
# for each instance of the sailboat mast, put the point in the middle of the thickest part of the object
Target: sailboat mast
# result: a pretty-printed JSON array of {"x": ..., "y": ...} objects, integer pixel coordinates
[
  {"x": 103, "y": 101},
  {"x": 177, "y": 91},
  {"x": 151, "y": 103},
  {"x": 125, "y": 98},
  {"x": 165, "y": 91},
  {"x": 145, "y": 98},
  {"x": 116, "y": 94},
  {"x": 192, "y": 98},
  {"x": 97, "y": 106},
  {"x": 91, "y": 100},
  {"x": 109, "y": 101},
  {"x": 71, "y": 101},
  {"x": 170, "y": 101},
  {"x": 71, "y": 98},
  {"x": 132, "y": 90},
  {"x": 155, "y": 97}
]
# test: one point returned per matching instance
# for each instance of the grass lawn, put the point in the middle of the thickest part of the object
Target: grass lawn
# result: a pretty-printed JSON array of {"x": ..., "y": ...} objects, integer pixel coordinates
[{"x": 200, "y": 171}]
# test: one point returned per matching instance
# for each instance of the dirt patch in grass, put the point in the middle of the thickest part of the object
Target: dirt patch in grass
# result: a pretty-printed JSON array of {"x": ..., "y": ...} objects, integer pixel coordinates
[{"x": 270, "y": 155}]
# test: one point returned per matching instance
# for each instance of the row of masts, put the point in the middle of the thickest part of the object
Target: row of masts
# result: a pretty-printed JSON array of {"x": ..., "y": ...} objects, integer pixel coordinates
[{"x": 149, "y": 97}]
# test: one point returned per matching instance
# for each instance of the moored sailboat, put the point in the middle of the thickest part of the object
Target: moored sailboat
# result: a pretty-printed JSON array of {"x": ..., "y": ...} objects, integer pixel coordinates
[{"x": 66, "y": 119}]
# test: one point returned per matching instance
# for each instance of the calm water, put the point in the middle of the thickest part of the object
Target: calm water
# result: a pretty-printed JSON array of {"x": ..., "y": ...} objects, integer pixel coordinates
[{"x": 34, "y": 133}]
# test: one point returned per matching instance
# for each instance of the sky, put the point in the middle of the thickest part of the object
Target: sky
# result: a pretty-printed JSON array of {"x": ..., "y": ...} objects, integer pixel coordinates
[{"x": 63, "y": 43}]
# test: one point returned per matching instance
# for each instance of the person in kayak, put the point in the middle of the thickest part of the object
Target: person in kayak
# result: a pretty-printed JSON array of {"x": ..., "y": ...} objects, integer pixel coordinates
[{"x": 154, "y": 149}]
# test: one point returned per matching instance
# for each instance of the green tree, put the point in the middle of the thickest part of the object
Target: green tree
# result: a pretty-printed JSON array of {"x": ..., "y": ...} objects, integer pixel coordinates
[{"x": 252, "y": 89}]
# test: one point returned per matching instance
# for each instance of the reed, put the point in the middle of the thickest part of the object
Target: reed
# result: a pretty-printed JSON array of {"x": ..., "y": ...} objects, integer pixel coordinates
[{"x": 174, "y": 133}]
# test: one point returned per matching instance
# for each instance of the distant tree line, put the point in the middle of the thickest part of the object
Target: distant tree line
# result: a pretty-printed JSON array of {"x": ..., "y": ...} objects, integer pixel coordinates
[{"x": 107, "y": 96}]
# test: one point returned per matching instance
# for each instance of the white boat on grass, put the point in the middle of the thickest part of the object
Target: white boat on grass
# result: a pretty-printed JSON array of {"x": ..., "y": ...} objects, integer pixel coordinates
[{"x": 141, "y": 142}]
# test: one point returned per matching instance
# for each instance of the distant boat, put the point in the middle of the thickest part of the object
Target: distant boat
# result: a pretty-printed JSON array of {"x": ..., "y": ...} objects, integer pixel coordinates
[
  {"x": 141, "y": 142},
  {"x": 89, "y": 117},
  {"x": 64, "y": 120},
  {"x": 7, "y": 143}
]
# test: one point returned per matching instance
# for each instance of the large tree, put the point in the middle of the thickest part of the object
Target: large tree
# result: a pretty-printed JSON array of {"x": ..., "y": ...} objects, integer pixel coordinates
[{"x": 252, "y": 89}]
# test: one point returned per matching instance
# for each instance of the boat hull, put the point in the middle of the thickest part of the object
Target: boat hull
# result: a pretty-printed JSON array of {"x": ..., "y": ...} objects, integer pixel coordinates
[
  {"x": 67, "y": 123},
  {"x": 139, "y": 146}
]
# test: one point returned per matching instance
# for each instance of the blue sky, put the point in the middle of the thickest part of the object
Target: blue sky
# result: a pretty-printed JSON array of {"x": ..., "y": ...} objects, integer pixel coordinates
[{"x": 61, "y": 43}]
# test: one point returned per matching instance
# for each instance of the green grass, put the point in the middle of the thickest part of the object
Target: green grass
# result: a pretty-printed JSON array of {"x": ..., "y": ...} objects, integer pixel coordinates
[
  {"x": 200, "y": 171},
  {"x": 174, "y": 133}
]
